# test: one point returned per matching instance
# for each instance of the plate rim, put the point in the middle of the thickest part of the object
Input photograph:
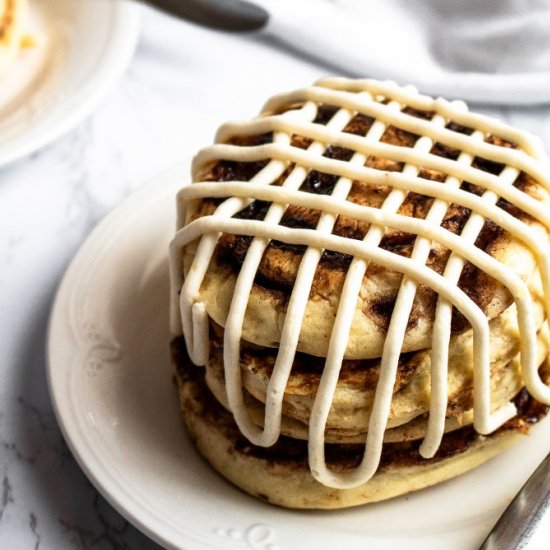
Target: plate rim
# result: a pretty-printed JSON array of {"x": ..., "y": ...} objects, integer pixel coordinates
[
  {"x": 126, "y": 15},
  {"x": 95, "y": 472},
  {"x": 122, "y": 499}
]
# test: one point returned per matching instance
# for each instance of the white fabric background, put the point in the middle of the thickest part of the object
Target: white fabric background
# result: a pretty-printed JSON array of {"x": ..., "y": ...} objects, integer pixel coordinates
[{"x": 494, "y": 51}]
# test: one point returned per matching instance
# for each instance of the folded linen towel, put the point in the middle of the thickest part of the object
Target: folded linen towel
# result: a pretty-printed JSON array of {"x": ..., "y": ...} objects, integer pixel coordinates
[{"x": 492, "y": 51}]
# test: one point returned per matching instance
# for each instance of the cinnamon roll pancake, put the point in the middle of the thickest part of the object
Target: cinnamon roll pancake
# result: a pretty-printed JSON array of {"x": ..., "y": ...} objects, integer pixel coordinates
[
  {"x": 13, "y": 14},
  {"x": 280, "y": 474},
  {"x": 360, "y": 288}
]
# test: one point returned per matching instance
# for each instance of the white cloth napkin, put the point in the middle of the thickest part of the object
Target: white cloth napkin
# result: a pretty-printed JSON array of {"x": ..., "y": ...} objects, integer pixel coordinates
[{"x": 491, "y": 51}]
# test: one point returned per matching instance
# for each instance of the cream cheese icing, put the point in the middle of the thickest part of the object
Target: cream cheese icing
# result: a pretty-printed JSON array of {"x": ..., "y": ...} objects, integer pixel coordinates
[{"x": 188, "y": 313}]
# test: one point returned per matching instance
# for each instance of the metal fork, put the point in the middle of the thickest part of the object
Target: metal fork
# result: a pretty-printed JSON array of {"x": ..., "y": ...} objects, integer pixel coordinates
[{"x": 524, "y": 514}]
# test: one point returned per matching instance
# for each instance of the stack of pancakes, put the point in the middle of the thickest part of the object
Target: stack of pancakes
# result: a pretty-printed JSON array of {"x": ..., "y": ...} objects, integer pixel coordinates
[
  {"x": 280, "y": 473},
  {"x": 12, "y": 28}
]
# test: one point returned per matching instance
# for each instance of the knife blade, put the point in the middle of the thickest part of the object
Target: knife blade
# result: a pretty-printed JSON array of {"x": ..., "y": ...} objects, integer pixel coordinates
[{"x": 524, "y": 514}]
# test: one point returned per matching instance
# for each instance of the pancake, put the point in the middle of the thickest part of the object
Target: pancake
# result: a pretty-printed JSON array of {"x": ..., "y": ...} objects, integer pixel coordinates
[
  {"x": 13, "y": 14},
  {"x": 361, "y": 278},
  {"x": 354, "y": 395},
  {"x": 276, "y": 273},
  {"x": 351, "y": 408},
  {"x": 280, "y": 475}
]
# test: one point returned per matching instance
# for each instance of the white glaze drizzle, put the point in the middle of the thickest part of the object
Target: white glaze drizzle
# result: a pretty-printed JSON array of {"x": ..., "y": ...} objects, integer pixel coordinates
[{"x": 189, "y": 314}]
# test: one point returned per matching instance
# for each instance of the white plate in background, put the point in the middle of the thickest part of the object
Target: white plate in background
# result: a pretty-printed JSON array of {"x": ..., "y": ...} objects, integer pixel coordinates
[
  {"x": 82, "y": 49},
  {"x": 110, "y": 380}
]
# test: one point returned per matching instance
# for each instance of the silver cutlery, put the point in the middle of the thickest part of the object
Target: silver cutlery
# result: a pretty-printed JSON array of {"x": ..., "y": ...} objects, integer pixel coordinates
[
  {"x": 524, "y": 514},
  {"x": 227, "y": 15}
]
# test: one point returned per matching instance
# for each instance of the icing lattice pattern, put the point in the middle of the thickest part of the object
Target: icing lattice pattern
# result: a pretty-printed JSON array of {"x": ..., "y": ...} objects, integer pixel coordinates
[{"x": 294, "y": 114}]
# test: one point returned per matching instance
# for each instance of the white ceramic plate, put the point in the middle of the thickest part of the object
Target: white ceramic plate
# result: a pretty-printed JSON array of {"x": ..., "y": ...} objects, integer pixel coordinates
[
  {"x": 110, "y": 380},
  {"x": 83, "y": 48}
]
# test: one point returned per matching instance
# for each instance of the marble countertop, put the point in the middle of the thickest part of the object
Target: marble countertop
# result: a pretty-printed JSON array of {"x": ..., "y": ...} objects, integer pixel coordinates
[{"x": 183, "y": 81}]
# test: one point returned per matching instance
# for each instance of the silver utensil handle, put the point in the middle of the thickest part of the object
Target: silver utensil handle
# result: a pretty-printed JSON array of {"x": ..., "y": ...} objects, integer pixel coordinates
[
  {"x": 519, "y": 521},
  {"x": 227, "y": 15}
]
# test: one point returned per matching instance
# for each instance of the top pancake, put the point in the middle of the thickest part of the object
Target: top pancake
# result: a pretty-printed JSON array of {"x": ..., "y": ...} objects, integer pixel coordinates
[{"x": 276, "y": 274}]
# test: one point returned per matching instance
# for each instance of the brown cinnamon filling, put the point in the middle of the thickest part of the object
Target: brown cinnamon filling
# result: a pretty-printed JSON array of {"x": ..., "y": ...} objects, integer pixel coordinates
[{"x": 359, "y": 373}]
